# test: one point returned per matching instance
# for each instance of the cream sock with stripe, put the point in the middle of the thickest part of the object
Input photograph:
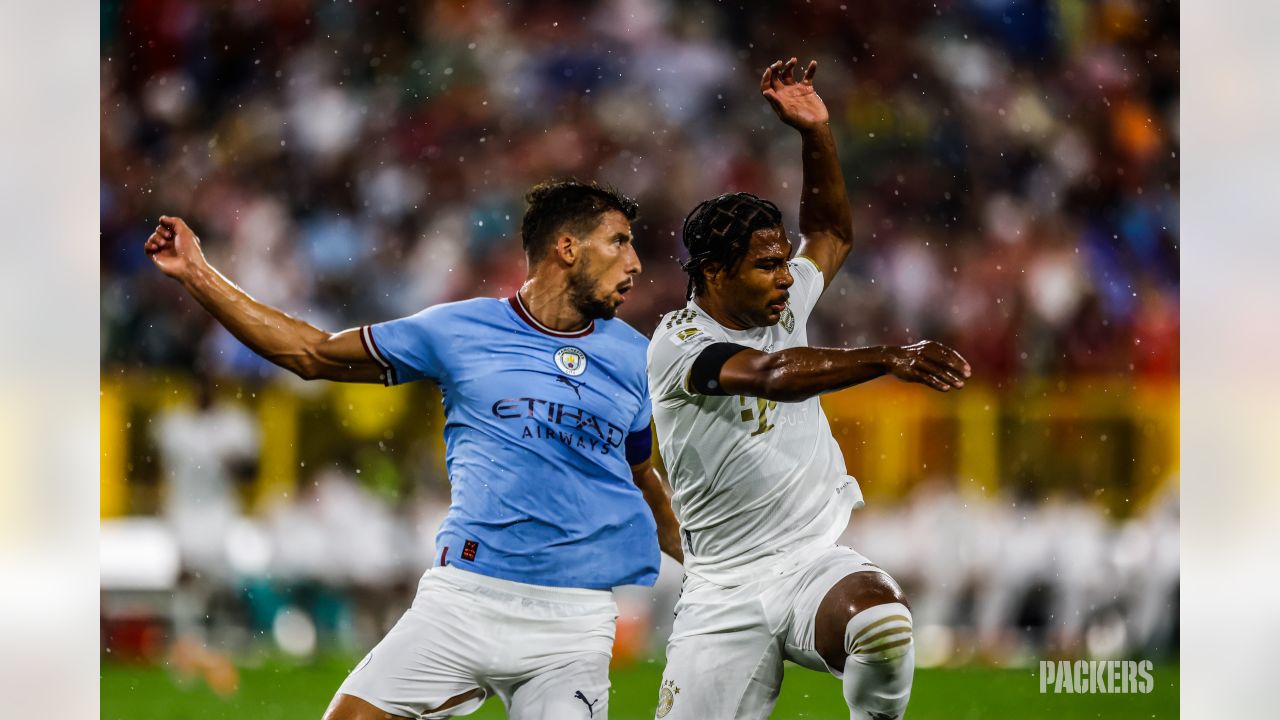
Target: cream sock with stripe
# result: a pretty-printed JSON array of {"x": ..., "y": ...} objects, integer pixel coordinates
[{"x": 877, "y": 673}]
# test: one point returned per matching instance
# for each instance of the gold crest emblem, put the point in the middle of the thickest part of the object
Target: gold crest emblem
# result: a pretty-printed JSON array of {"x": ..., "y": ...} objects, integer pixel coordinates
[
  {"x": 788, "y": 320},
  {"x": 667, "y": 697}
]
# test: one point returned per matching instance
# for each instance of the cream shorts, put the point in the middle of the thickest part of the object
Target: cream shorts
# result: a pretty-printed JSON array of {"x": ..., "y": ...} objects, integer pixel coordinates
[
  {"x": 543, "y": 651},
  {"x": 725, "y": 657}
]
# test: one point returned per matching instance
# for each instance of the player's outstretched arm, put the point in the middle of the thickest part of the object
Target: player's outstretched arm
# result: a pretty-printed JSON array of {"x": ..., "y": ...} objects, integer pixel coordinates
[
  {"x": 659, "y": 501},
  {"x": 799, "y": 373},
  {"x": 301, "y": 348},
  {"x": 826, "y": 221}
]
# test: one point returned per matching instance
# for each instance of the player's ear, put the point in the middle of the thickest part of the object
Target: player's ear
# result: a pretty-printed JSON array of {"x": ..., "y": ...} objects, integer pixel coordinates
[
  {"x": 566, "y": 248},
  {"x": 712, "y": 272}
]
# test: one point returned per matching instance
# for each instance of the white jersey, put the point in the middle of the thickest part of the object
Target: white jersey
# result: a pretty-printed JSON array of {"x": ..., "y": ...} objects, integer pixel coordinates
[{"x": 757, "y": 483}]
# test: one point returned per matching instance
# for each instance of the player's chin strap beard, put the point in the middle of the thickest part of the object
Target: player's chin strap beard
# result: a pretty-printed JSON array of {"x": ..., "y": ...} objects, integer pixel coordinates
[{"x": 580, "y": 292}]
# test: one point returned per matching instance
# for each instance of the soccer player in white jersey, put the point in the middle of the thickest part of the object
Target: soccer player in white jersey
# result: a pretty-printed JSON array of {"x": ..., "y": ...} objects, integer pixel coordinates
[{"x": 760, "y": 487}]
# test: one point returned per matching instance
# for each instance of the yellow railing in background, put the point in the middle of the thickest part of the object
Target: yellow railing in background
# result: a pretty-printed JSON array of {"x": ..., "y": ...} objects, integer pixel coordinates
[{"x": 1114, "y": 440}]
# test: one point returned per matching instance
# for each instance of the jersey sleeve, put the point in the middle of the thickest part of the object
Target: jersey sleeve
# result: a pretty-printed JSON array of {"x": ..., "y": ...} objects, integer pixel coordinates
[
  {"x": 408, "y": 349},
  {"x": 806, "y": 289},
  {"x": 644, "y": 414},
  {"x": 672, "y": 353},
  {"x": 639, "y": 442}
]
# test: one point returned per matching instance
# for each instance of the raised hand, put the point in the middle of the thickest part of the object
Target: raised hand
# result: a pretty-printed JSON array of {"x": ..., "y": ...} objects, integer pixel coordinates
[
  {"x": 174, "y": 248},
  {"x": 795, "y": 101},
  {"x": 929, "y": 363}
]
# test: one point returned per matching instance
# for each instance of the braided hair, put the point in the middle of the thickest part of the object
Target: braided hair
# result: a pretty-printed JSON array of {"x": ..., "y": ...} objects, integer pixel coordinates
[{"x": 719, "y": 230}]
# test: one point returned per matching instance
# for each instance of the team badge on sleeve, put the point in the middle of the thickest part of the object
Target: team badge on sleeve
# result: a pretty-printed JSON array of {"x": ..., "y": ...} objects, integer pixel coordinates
[
  {"x": 667, "y": 697},
  {"x": 571, "y": 360},
  {"x": 788, "y": 319},
  {"x": 680, "y": 337}
]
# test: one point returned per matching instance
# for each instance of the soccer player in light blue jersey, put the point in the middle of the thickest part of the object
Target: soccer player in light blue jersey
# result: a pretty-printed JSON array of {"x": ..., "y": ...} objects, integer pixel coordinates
[{"x": 554, "y": 498}]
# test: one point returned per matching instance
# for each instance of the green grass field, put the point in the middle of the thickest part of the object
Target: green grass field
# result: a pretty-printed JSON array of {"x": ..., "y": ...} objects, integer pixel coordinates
[{"x": 283, "y": 691}]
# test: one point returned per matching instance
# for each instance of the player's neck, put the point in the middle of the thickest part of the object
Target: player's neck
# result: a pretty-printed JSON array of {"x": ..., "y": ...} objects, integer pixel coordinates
[
  {"x": 549, "y": 304},
  {"x": 709, "y": 305}
]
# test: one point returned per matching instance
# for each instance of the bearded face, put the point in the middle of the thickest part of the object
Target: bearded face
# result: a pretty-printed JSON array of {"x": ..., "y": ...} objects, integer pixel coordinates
[{"x": 605, "y": 271}]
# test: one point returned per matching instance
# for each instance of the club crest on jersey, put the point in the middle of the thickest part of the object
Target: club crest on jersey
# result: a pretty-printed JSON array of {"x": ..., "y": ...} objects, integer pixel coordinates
[
  {"x": 667, "y": 697},
  {"x": 788, "y": 319},
  {"x": 571, "y": 360}
]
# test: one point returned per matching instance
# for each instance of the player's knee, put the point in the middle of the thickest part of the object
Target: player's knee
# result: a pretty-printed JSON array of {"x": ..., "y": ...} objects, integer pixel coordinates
[
  {"x": 853, "y": 603},
  {"x": 879, "y": 634}
]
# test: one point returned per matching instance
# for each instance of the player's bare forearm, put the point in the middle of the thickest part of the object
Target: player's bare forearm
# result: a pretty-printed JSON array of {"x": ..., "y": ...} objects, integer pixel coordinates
[
  {"x": 800, "y": 373},
  {"x": 291, "y": 343},
  {"x": 826, "y": 220},
  {"x": 659, "y": 501},
  {"x": 284, "y": 340}
]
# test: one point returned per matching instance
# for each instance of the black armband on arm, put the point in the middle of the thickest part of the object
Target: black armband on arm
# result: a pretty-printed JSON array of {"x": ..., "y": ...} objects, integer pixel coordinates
[{"x": 704, "y": 376}]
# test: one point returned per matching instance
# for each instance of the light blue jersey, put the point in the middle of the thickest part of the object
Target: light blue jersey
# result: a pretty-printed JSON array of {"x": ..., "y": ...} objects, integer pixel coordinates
[{"x": 538, "y": 425}]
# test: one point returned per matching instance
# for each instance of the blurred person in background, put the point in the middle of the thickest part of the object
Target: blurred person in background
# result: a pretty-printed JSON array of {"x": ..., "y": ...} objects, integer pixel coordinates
[
  {"x": 367, "y": 545},
  {"x": 936, "y": 528},
  {"x": 338, "y": 554},
  {"x": 1147, "y": 555},
  {"x": 208, "y": 451},
  {"x": 1079, "y": 570},
  {"x": 1020, "y": 562},
  {"x": 555, "y": 499}
]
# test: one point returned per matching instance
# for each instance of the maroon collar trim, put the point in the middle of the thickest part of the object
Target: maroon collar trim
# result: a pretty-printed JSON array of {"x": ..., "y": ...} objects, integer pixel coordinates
[{"x": 518, "y": 305}]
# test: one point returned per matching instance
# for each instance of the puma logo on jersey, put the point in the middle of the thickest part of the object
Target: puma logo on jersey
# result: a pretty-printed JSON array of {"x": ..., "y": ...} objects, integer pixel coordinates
[
  {"x": 591, "y": 706},
  {"x": 573, "y": 384}
]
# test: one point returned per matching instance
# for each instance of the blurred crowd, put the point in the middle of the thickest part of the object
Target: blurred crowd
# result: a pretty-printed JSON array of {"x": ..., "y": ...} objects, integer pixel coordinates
[
  {"x": 1012, "y": 164},
  {"x": 1004, "y": 578},
  {"x": 1010, "y": 578}
]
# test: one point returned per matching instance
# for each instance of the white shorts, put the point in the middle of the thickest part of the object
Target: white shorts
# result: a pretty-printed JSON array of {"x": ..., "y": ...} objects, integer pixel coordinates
[
  {"x": 724, "y": 659},
  {"x": 543, "y": 651}
]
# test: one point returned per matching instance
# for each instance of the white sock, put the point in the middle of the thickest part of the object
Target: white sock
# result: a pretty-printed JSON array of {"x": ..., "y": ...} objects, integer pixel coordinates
[{"x": 882, "y": 658}]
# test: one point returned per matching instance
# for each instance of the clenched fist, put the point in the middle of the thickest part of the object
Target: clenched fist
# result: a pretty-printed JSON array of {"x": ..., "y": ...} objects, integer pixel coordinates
[{"x": 174, "y": 248}]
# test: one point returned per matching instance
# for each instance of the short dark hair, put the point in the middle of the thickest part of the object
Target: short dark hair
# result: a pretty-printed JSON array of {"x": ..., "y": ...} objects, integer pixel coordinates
[
  {"x": 719, "y": 230},
  {"x": 567, "y": 205}
]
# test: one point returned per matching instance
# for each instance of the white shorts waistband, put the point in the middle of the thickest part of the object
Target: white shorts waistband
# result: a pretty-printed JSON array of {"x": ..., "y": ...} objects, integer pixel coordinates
[{"x": 545, "y": 593}]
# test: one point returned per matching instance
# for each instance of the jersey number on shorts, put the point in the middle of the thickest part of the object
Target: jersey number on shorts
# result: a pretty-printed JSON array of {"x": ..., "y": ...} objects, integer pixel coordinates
[{"x": 759, "y": 415}]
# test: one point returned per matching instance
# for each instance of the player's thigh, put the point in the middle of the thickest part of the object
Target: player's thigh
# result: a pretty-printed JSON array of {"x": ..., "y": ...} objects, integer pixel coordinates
[
  {"x": 721, "y": 676},
  {"x": 424, "y": 665},
  {"x": 563, "y": 658},
  {"x": 837, "y": 585},
  {"x": 578, "y": 688},
  {"x": 350, "y": 707}
]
